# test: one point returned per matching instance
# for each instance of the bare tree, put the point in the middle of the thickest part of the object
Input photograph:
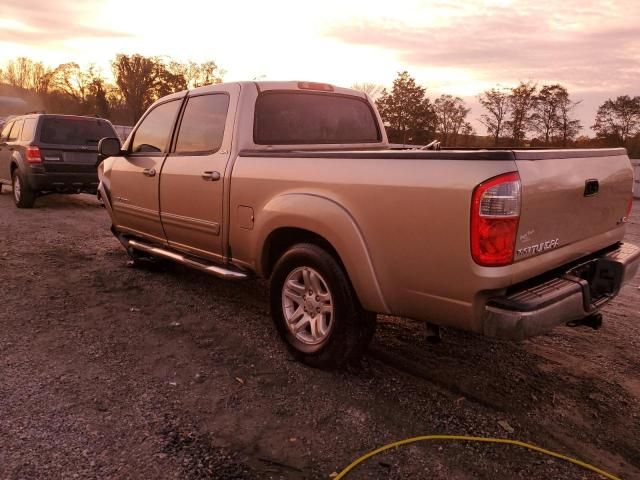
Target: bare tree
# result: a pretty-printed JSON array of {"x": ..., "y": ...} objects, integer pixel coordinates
[
  {"x": 207, "y": 73},
  {"x": 16, "y": 72},
  {"x": 451, "y": 113},
  {"x": 197, "y": 74},
  {"x": 496, "y": 102},
  {"x": 27, "y": 74},
  {"x": 545, "y": 117},
  {"x": 522, "y": 100},
  {"x": 70, "y": 79},
  {"x": 372, "y": 89},
  {"x": 618, "y": 120},
  {"x": 568, "y": 127}
]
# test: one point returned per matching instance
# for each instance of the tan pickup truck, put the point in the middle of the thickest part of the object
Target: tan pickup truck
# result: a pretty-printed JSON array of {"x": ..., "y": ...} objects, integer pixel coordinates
[{"x": 296, "y": 182}]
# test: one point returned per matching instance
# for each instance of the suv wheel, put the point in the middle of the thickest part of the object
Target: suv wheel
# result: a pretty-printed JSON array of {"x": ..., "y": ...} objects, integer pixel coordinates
[
  {"x": 23, "y": 196},
  {"x": 316, "y": 310}
]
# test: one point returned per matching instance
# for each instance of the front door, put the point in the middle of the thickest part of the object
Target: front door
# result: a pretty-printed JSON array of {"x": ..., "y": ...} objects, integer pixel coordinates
[
  {"x": 135, "y": 177},
  {"x": 192, "y": 180}
]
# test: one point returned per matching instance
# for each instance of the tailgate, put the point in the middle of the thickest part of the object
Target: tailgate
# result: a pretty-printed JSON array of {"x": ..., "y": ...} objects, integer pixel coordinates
[{"x": 569, "y": 196}]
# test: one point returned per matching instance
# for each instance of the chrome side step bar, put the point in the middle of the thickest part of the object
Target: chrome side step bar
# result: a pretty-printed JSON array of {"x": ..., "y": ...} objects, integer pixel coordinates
[{"x": 211, "y": 269}]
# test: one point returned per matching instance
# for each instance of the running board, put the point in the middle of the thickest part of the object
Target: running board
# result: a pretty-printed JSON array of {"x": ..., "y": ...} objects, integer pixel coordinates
[{"x": 211, "y": 269}]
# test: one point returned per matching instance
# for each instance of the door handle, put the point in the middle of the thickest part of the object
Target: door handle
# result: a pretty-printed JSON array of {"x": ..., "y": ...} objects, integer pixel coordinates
[
  {"x": 149, "y": 172},
  {"x": 211, "y": 176}
]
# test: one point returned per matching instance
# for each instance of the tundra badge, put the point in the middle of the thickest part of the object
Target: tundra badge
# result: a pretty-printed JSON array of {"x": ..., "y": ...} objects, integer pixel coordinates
[{"x": 539, "y": 248}]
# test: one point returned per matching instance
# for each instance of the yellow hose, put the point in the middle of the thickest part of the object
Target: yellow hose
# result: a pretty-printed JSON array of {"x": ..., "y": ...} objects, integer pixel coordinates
[{"x": 502, "y": 441}]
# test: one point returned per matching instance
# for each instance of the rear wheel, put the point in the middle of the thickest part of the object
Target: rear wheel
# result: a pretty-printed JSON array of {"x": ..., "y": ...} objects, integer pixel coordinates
[
  {"x": 316, "y": 310},
  {"x": 23, "y": 196}
]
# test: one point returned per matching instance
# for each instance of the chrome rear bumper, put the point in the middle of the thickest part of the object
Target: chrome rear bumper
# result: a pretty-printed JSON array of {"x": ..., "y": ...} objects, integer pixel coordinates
[{"x": 573, "y": 295}]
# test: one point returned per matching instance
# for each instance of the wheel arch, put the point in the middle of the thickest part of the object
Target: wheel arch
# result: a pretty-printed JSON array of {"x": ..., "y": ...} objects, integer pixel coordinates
[{"x": 309, "y": 218}]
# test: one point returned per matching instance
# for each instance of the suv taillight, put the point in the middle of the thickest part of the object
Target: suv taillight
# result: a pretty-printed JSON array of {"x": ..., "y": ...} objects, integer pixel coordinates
[
  {"x": 629, "y": 210},
  {"x": 33, "y": 155},
  {"x": 495, "y": 213}
]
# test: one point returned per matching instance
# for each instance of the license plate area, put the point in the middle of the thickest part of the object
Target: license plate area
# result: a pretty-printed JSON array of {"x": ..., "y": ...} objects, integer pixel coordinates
[{"x": 600, "y": 278}]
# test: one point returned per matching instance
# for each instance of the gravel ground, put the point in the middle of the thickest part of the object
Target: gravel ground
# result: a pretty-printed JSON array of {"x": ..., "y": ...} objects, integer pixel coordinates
[{"x": 112, "y": 372}]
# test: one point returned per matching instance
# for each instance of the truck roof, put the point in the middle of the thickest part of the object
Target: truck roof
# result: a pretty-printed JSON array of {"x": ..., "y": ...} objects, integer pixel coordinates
[{"x": 265, "y": 85}]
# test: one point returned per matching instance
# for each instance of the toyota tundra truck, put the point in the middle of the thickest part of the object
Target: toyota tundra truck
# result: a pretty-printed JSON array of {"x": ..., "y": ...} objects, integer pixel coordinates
[{"x": 295, "y": 182}]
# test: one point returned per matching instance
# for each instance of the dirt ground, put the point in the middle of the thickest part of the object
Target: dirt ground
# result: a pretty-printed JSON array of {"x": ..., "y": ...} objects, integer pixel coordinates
[{"x": 112, "y": 372}]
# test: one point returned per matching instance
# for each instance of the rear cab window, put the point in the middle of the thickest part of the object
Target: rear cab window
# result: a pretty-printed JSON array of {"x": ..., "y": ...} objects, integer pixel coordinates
[
  {"x": 298, "y": 118},
  {"x": 154, "y": 133},
  {"x": 74, "y": 131}
]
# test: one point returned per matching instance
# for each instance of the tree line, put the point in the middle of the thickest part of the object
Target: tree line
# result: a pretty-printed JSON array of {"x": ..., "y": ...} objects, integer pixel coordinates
[
  {"x": 138, "y": 82},
  {"x": 524, "y": 115}
]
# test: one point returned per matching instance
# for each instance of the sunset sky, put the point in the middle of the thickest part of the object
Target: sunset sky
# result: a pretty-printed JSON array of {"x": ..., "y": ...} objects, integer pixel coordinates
[{"x": 453, "y": 47}]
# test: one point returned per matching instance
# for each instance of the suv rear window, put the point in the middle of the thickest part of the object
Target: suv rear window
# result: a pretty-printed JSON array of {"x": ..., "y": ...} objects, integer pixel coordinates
[
  {"x": 295, "y": 118},
  {"x": 74, "y": 131}
]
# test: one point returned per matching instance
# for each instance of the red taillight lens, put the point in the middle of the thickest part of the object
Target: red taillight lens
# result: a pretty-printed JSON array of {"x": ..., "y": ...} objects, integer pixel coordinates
[
  {"x": 33, "y": 155},
  {"x": 495, "y": 213}
]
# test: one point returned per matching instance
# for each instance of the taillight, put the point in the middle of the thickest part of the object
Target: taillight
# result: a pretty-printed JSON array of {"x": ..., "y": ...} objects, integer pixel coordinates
[
  {"x": 33, "y": 155},
  {"x": 495, "y": 213}
]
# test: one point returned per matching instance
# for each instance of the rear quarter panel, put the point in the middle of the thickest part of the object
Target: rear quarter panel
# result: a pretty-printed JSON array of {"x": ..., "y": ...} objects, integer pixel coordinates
[{"x": 413, "y": 216}]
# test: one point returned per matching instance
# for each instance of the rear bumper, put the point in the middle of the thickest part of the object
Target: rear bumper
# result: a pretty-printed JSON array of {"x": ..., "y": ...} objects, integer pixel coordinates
[
  {"x": 577, "y": 293},
  {"x": 70, "y": 182}
]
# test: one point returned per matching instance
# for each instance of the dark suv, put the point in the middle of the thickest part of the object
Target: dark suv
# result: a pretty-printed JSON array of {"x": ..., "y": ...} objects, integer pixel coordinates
[{"x": 42, "y": 153}]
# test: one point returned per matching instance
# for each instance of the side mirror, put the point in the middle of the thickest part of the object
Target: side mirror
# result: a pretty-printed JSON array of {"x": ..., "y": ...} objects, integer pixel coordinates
[{"x": 109, "y": 147}]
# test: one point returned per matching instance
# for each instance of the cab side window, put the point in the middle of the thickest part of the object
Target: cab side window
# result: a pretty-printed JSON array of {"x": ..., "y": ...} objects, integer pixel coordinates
[
  {"x": 154, "y": 133},
  {"x": 4, "y": 136},
  {"x": 15, "y": 131},
  {"x": 202, "y": 126}
]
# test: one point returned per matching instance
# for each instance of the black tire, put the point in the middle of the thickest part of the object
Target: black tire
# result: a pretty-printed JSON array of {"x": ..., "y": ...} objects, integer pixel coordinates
[
  {"x": 352, "y": 328},
  {"x": 23, "y": 196}
]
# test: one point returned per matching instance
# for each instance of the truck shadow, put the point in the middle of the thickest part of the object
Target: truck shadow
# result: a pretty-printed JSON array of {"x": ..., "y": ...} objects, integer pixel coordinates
[{"x": 501, "y": 375}]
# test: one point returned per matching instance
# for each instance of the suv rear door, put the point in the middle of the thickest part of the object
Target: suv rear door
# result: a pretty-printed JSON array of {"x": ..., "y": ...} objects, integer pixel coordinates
[
  {"x": 192, "y": 180},
  {"x": 5, "y": 153},
  {"x": 69, "y": 144},
  {"x": 135, "y": 176}
]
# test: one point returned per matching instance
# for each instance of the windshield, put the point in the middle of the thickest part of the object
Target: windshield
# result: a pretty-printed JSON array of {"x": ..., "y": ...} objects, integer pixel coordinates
[{"x": 75, "y": 131}]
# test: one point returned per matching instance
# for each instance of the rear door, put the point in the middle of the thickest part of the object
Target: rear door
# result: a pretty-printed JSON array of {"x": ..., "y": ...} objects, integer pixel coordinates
[
  {"x": 69, "y": 144},
  {"x": 5, "y": 153},
  {"x": 191, "y": 184},
  {"x": 135, "y": 176}
]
